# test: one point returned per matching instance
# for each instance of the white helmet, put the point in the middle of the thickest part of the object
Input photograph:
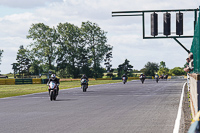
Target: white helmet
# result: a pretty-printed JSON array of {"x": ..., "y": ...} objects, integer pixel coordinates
[{"x": 53, "y": 76}]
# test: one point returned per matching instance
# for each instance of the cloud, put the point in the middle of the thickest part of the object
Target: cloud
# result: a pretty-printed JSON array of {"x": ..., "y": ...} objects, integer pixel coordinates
[
  {"x": 26, "y": 3},
  {"x": 124, "y": 33}
]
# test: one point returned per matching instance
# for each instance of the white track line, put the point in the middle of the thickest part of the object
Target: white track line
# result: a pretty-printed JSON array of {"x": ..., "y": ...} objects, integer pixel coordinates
[{"x": 178, "y": 118}]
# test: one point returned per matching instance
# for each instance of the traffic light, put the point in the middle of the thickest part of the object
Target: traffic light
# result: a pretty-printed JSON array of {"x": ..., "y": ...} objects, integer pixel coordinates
[
  {"x": 154, "y": 24},
  {"x": 167, "y": 21},
  {"x": 179, "y": 23}
]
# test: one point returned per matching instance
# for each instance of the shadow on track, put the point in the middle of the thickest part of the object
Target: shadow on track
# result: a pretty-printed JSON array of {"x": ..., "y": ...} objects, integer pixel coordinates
[{"x": 63, "y": 100}]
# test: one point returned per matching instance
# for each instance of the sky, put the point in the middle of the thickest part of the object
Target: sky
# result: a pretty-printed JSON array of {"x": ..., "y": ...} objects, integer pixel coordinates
[{"x": 125, "y": 34}]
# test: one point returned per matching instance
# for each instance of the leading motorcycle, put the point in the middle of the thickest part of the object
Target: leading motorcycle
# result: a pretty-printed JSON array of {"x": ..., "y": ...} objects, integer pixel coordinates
[
  {"x": 157, "y": 78},
  {"x": 52, "y": 90},
  {"x": 124, "y": 80},
  {"x": 84, "y": 84},
  {"x": 142, "y": 78}
]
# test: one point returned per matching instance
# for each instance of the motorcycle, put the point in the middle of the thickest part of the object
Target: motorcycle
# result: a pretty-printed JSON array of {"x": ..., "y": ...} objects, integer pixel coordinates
[
  {"x": 157, "y": 78},
  {"x": 124, "y": 80},
  {"x": 84, "y": 85},
  {"x": 52, "y": 90},
  {"x": 142, "y": 78},
  {"x": 165, "y": 76}
]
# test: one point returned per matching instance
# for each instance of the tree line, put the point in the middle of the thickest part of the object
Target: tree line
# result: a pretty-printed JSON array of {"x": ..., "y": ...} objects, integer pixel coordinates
[
  {"x": 70, "y": 51},
  {"x": 151, "y": 68},
  {"x": 66, "y": 50}
]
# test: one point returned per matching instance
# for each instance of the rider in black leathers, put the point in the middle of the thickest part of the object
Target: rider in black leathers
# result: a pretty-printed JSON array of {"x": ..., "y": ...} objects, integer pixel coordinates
[
  {"x": 124, "y": 75},
  {"x": 56, "y": 80},
  {"x": 142, "y": 75},
  {"x": 85, "y": 77}
]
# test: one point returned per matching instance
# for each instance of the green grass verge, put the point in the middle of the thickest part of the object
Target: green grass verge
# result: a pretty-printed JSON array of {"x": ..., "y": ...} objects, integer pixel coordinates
[{"x": 17, "y": 90}]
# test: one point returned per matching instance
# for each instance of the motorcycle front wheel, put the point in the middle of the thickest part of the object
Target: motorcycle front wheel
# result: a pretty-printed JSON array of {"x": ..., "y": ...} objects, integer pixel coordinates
[
  {"x": 54, "y": 96},
  {"x": 142, "y": 81},
  {"x": 51, "y": 95},
  {"x": 84, "y": 88}
]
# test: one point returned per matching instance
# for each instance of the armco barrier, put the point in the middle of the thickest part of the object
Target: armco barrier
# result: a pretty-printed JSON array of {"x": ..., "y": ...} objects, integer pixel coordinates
[
  {"x": 177, "y": 77},
  {"x": 10, "y": 81},
  {"x": 7, "y": 81},
  {"x": 117, "y": 78},
  {"x": 23, "y": 81},
  {"x": 76, "y": 79},
  {"x": 36, "y": 81},
  {"x": 133, "y": 77},
  {"x": 103, "y": 78},
  {"x": 2, "y": 81},
  {"x": 44, "y": 81}
]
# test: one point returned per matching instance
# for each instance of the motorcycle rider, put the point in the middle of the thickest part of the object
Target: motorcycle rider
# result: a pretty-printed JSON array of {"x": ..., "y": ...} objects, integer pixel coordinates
[
  {"x": 124, "y": 75},
  {"x": 142, "y": 75},
  {"x": 85, "y": 77},
  {"x": 156, "y": 75},
  {"x": 56, "y": 80},
  {"x": 166, "y": 76}
]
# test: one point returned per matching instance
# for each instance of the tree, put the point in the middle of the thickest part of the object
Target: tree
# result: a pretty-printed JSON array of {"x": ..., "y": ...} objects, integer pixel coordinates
[
  {"x": 15, "y": 68},
  {"x": 62, "y": 73},
  {"x": 163, "y": 71},
  {"x": 85, "y": 64},
  {"x": 177, "y": 71},
  {"x": 125, "y": 68},
  {"x": 162, "y": 68},
  {"x": 162, "y": 65},
  {"x": 23, "y": 61},
  {"x": 75, "y": 50},
  {"x": 95, "y": 40},
  {"x": 1, "y": 51},
  {"x": 108, "y": 65},
  {"x": 150, "y": 68},
  {"x": 35, "y": 68},
  {"x": 70, "y": 48},
  {"x": 44, "y": 46}
]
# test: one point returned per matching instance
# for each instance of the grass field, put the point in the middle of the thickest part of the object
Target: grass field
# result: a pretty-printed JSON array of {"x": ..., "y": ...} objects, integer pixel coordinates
[{"x": 17, "y": 90}]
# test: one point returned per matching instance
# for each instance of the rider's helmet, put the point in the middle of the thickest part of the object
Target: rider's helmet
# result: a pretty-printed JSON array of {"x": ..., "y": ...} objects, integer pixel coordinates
[
  {"x": 53, "y": 76},
  {"x": 84, "y": 76},
  {"x": 124, "y": 74},
  {"x": 141, "y": 73}
]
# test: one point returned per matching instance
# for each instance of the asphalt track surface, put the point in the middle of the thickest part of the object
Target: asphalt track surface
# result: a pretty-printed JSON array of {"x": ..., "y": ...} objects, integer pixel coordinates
[{"x": 113, "y": 108}]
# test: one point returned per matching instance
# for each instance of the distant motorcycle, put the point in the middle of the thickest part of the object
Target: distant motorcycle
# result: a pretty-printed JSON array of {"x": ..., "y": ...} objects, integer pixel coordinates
[
  {"x": 84, "y": 85},
  {"x": 165, "y": 76},
  {"x": 142, "y": 78},
  {"x": 157, "y": 78},
  {"x": 52, "y": 90},
  {"x": 124, "y": 80}
]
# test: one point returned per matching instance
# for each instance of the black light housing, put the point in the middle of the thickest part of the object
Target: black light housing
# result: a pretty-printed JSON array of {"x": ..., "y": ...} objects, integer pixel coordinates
[
  {"x": 167, "y": 23},
  {"x": 179, "y": 23},
  {"x": 154, "y": 24}
]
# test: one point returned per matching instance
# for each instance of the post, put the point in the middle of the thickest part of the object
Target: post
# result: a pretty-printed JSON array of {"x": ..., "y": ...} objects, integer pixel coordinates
[
  {"x": 143, "y": 25},
  {"x": 181, "y": 45}
]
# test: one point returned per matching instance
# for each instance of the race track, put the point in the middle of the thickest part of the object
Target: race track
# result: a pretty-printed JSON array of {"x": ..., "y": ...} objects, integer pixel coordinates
[{"x": 113, "y": 108}]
